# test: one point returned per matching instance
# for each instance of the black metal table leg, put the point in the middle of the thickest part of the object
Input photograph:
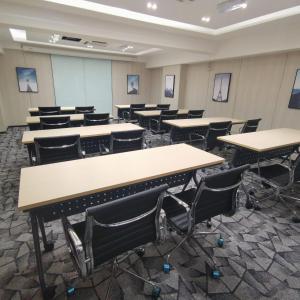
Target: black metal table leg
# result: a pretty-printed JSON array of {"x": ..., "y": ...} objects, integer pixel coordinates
[
  {"x": 48, "y": 292},
  {"x": 48, "y": 245}
]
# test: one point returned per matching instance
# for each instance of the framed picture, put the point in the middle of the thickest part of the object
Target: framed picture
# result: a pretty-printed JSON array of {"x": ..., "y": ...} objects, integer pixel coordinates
[
  {"x": 295, "y": 97},
  {"x": 27, "y": 80},
  {"x": 169, "y": 87},
  {"x": 221, "y": 87},
  {"x": 133, "y": 84}
]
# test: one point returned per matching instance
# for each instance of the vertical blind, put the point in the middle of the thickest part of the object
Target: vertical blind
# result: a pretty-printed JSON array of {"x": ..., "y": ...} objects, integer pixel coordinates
[{"x": 82, "y": 81}]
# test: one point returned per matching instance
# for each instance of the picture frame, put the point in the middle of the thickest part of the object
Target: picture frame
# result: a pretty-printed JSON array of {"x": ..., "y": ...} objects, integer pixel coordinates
[
  {"x": 295, "y": 95},
  {"x": 133, "y": 82},
  {"x": 27, "y": 80},
  {"x": 169, "y": 86},
  {"x": 221, "y": 87}
]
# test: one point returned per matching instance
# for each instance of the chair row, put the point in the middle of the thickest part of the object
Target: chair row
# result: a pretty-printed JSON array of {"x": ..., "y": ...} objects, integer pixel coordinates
[
  {"x": 65, "y": 121},
  {"x": 56, "y": 110},
  {"x": 57, "y": 149},
  {"x": 126, "y": 225}
]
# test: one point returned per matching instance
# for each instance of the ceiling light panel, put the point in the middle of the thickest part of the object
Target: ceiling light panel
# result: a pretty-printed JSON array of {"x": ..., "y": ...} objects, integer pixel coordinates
[
  {"x": 18, "y": 34},
  {"x": 231, "y": 5}
]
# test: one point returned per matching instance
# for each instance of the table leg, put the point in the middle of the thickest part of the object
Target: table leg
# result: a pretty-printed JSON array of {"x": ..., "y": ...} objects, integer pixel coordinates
[
  {"x": 48, "y": 292},
  {"x": 29, "y": 148},
  {"x": 48, "y": 245}
]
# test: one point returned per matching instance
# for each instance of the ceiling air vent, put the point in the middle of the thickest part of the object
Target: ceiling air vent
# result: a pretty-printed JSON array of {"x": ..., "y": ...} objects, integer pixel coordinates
[{"x": 71, "y": 39}]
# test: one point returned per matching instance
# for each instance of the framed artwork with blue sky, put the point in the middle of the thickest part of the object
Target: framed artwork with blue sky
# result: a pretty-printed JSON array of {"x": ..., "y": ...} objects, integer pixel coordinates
[
  {"x": 295, "y": 97},
  {"x": 133, "y": 84},
  {"x": 27, "y": 80}
]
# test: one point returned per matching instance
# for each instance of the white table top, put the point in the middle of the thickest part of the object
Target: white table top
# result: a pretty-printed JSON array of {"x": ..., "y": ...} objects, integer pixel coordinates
[
  {"x": 156, "y": 113},
  {"x": 185, "y": 123},
  {"x": 102, "y": 173},
  {"x": 84, "y": 131},
  {"x": 125, "y": 106},
  {"x": 264, "y": 140}
]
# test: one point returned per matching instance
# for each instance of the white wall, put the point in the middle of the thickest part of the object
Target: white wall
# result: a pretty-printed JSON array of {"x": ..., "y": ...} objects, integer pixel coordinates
[
  {"x": 15, "y": 104},
  {"x": 260, "y": 88}
]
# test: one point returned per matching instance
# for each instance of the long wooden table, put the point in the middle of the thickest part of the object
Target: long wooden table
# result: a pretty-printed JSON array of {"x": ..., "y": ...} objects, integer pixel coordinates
[
  {"x": 90, "y": 136},
  {"x": 69, "y": 188},
  {"x": 188, "y": 123},
  {"x": 62, "y": 108},
  {"x": 265, "y": 140}
]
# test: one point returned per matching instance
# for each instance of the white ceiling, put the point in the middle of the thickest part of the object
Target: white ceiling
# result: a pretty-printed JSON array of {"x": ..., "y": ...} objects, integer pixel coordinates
[
  {"x": 192, "y": 11},
  {"x": 154, "y": 44}
]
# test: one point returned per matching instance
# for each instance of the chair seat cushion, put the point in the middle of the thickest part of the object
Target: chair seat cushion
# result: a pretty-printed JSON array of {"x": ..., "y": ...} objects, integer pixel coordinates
[
  {"x": 275, "y": 173},
  {"x": 176, "y": 213}
]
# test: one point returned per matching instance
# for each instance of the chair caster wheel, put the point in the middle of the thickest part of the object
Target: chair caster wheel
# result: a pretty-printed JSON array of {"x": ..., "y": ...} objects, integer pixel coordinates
[
  {"x": 167, "y": 268},
  {"x": 208, "y": 224},
  {"x": 49, "y": 247},
  {"x": 249, "y": 205},
  {"x": 216, "y": 274},
  {"x": 70, "y": 291},
  {"x": 220, "y": 242},
  {"x": 140, "y": 252},
  {"x": 156, "y": 292}
]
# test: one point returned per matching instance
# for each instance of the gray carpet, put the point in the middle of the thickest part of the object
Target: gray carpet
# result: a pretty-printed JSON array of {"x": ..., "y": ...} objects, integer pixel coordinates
[{"x": 260, "y": 258}]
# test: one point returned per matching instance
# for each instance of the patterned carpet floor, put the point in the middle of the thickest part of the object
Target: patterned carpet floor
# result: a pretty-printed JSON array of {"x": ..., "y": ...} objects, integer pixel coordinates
[{"x": 260, "y": 258}]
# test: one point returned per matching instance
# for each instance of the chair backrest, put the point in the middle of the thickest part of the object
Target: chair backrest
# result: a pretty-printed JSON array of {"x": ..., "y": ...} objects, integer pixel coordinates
[
  {"x": 132, "y": 111},
  {"x": 34, "y": 113},
  {"x": 195, "y": 114},
  {"x": 84, "y": 109},
  {"x": 172, "y": 113},
  {"x": 163, "y": 106},
  {"x": 217, "y": 194},
  {"x": 215, "y": 130},
  {"x": 54, "y": 122},
  {"x": 56, "y": 149},
  {"x": 122, "y": 225},
  {"x": 122, "y": 141},
  {"x": 250, "y": 126},
  {"x": 96, "y": 119},
  {"x": 137, "y": 105},
  {"x": 48, "y": 111}
]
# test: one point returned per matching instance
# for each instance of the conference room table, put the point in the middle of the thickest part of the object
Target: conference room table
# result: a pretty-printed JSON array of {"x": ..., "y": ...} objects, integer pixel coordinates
[
  {"x": 90, "y": 136},
  {"x": 145, "y": 116},
  {"x": 126, "y": 108},
  {"x": 182, "y": 128},
  {"x": 264, "y": 144},
  {"x": 49, "y": 191}
]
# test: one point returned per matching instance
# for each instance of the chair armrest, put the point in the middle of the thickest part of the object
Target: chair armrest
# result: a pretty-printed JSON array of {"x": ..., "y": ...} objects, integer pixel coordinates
[
  {"x": 76, "y": 248},
  {"x": 180, "y": 202},
  {"x": 34, "y": 160},
  {"x": 83, "y": 153},
  {"x": 154, "y": 120}
]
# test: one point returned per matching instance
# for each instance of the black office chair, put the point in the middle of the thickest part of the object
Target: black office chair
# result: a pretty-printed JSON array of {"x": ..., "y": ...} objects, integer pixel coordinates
[
  {"x": 116, "y": 228},
  {"x": 214, "y": 195},
  {"x": 280, "y": 177},
  {"x": 56, "y": 149},
  {"x": 250, "y": 126},
  {"x": 130, "y": 116},
  {"x": 49, "y": 111},
  {"x": 215, "y": 130},
  {"x": 96, "y": 119},
  {"x": 157, "y": 126},
  {"x": 123, "y": 141},
  {"x": 34, "y": 113},
  {"x": 195, "y": 114},
  {"x": 84, "y": 109},
  {"x": 163, "y": 106},
  {"x": 55, "y": 122}
]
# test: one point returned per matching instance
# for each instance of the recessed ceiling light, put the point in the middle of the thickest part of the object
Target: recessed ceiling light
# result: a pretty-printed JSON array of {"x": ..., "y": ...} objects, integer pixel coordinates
[
  {"x": 89, "y": 46},
  {"x": 231, "y": 5},
  {"x": 205, "y": 19},
  {"x": 152, "y": 6},
  {"x": 18, "y": 34}
]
